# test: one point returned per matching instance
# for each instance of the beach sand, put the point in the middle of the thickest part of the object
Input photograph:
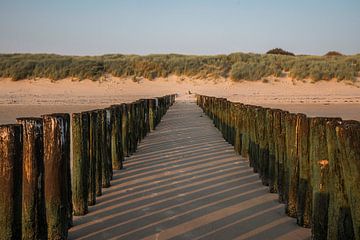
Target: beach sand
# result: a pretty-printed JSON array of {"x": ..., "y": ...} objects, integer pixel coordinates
[{"x": 40, "y": 96}]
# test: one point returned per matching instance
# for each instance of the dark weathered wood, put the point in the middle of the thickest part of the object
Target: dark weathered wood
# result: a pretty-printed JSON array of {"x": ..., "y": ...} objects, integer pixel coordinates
[
  {"x": 292, "y": 165},
  {"x": 270, "y": 139},
  {"x": 98, "y": 153},
  {"x": 125, "y": 130},
  {"x": 282, "y": 170},
  {"x": 57, "y": 174},
  {"x": 105, "y": 168},
  {"x": 92, "y": 157},
  {"x": 33, "y": 200},
  {"x": 152, "y": 114},
  {"x": 304, "y": 194},
  {"x": 80, "y": 162},
  {"x": 319, "y": 160},
  {"x": 108, "y": 150},
  {"x": 10, "y": 181},
  {"x": 339, "y": 215},
  {"x": 348, "y": 135}
]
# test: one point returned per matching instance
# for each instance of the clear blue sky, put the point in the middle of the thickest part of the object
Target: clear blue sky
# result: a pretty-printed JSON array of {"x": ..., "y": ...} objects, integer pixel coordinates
[{"x": 94, "y": 27}]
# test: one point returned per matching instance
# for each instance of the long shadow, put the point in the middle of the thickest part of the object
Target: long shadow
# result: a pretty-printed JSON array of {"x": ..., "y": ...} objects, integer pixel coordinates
[
  {"x": 184, "y": 164},
  {"x": 159, "y": 190},
  {"x": 177, "y": 176},
  {"x": 160, "y": 201},
  {"x": 193, "y": 210},
  {"x": 205, "y": 229},
  {"x": 165, "y": 185},
  {"x": 168, "y": 161}
]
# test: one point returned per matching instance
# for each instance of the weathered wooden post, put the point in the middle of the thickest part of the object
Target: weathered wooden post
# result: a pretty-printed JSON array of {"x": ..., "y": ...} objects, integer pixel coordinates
[
  {"x": 92, "y": 157},
  {"x": 105, "y": 161},
  {"x": 116, "y": 139},
  {"x": 348, "y": 135},
  {"x": 270, "y": 139},
  {"x": 10, "y": 181},
  {"x": 108, "y": 127},
  {"x": 304, "y": 194},
  {"x": 98, "y": 153},
  {"x": 281, "y": 148},
  {"x": 57, "y": 174},
  {"x": 292, "y": 165},
  {"x": 33, "y": 200},
  {"x": 152, "y": 113},
  {"x": 80, "y": 162},
  {"x": 263, "y": 161},
  {"x": 125, "y": 130},
  {"x": 319, "y": 160},
  {"x": 339, "y": 215}
]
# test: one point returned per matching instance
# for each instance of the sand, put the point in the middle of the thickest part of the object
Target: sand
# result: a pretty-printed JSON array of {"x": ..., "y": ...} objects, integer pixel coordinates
[{"x": 39, "y": 96}]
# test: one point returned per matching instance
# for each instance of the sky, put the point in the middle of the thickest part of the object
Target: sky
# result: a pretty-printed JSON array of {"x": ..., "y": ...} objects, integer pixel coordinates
[{"x": 95, "y": 27}]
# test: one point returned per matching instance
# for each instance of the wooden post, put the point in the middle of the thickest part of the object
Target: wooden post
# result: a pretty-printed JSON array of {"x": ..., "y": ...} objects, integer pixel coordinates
[
  {"x": 92, "y": 157},
  {"x": 125, "y": 130},
  {"x": 98, "y": 153},
  {"x": 152, "y": 114},
  {"x": 80, "y": 162},
  {"x": 319, "y": 160},
  {"x": 33, "y": 200},
  {"x": 348, "y": 135},
  {"x": 339, "y": 215},
  {"x": 57, "y": 174},
  {"x": 292, "y": 165},
  {"x": 282, "y": 181},
  {"x": 10, "y": 181},
  {"x": 105, "y": 161},
  {"x": 270, "y": 139},
  {"x": 304, "y": 194},
  {"x": 116, "y": 140},
  {"x": 108, "y": 127}
]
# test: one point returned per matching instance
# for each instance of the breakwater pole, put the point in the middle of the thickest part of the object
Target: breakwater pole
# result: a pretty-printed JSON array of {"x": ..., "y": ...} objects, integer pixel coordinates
[
  {"x": 312, "y": 163},
  {"x": 42, "y": 186}
]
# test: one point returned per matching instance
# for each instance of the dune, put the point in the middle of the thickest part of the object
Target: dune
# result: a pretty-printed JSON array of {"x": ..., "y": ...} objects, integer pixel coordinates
[{"x": 33, "y": 97}]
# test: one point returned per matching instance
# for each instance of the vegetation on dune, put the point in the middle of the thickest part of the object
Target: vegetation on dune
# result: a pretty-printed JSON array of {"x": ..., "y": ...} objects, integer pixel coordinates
[
  {"x": 237, "y": 66},
  {"x": 279, "y": 51}
]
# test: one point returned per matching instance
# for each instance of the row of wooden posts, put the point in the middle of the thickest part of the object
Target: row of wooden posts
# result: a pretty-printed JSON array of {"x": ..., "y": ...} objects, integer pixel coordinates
[
  {"x": 42, "y": 188},
  {"x": 313, "y": 163}
]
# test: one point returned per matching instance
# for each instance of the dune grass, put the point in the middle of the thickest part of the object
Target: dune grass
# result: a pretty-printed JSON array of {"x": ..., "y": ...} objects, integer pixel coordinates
[{"x": 237, "y": 66}]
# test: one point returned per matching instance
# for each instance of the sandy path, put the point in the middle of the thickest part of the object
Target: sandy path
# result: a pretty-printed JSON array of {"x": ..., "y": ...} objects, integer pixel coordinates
[{"x": 186, "y": 182}]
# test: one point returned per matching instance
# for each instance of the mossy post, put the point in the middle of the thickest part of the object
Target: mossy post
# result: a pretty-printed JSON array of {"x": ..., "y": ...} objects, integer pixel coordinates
[
  {"x": 319, "y": 160},
  {"x": 339, "y": 214},
  {"x": 292, "y": 165},
  {"x": 276, "y": 136},
  {"x": 108, "y": 150},
  {"x": 282, "y": 181},
  {"x": 152, "y": 114},
  {"x": 98, "y": 153},
  {"x": 304, "y": 194},
  {"x": 92, "y": 157},
  {"x": 57, "y": 174},
  {"x": 33, "y": 200},
  {"x": 105, "y": 158},
  {"x": 80, "y": 162},
  {"x": 348, "y": 135},
  {"x": 263, "y": 160},
  {"x": 270, "y": 139},
  {"x": 116, "y": 140},
  {"x": 125, "y": 130},
  {"x": 131, "y": 128},
  {"x": 10, "y": 181}
]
